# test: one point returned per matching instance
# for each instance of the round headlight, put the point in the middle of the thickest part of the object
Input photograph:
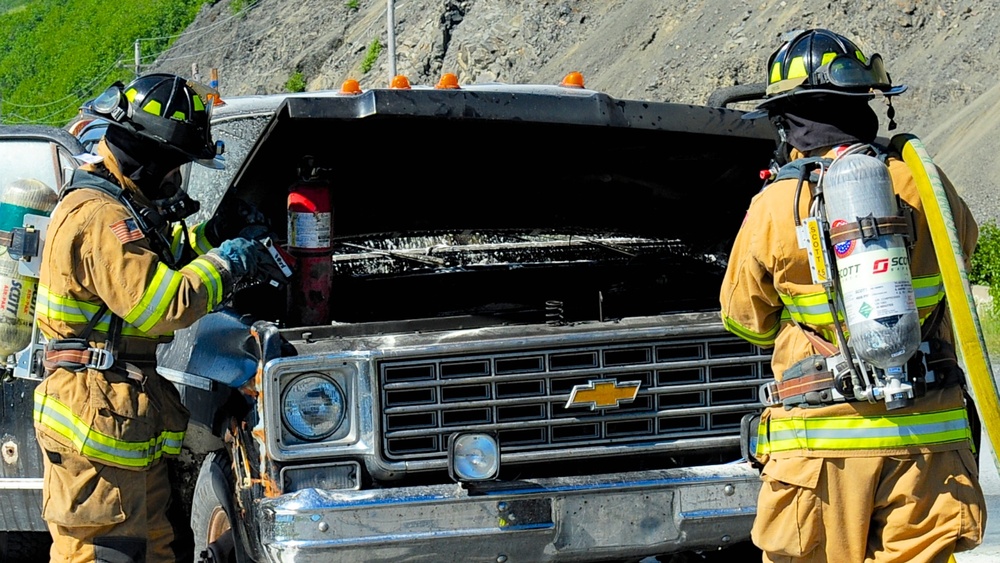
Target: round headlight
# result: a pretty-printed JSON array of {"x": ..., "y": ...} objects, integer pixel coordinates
[{"x": 313, "y": 407}]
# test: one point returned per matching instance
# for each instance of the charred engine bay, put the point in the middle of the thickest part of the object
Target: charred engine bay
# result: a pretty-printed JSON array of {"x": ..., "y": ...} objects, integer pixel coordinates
[
  {"x": 510, "y": 207},
  {"x": 510, "y": 278}
]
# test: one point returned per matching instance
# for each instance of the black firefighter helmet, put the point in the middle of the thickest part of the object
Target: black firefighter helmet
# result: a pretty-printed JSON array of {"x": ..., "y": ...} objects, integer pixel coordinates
[
  {"x": 817, "y": 62},
  {"x": 168, "y": 110}
]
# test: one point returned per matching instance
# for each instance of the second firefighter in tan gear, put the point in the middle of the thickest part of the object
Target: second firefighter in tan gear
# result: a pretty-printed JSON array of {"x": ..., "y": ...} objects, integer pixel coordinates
[{"x": 847, "y": 481}]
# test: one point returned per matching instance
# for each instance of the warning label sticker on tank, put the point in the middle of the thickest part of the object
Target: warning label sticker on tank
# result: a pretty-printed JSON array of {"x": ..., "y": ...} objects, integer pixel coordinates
[
  {"x": 309, "y": 230},
  {"x": 876, "y": 283}
]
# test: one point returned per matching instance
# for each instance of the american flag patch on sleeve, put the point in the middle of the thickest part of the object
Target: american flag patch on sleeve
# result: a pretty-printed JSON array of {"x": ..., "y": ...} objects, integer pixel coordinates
[{"x": 127, "y": 230}]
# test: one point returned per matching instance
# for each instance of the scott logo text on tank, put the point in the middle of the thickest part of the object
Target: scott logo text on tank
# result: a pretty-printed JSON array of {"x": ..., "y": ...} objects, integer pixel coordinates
[
  {"x": 882, "y": 265},
  {"x": 12, "y": 297}
]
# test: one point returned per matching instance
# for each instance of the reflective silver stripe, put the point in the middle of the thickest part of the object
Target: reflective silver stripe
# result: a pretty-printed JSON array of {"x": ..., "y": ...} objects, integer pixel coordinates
[
  {"x": 199, "y": 240},
  {"x": 153, "y": 304},
  {"x": 210, "y": 276},
  {"x": 820, "y": 433},
  {"x": 51, "y": 413},
  {"x": 866, "y": 433}
]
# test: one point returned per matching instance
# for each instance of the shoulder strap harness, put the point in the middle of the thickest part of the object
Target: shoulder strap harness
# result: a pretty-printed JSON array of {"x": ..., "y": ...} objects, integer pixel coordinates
[{"x": 76, "y": 354}]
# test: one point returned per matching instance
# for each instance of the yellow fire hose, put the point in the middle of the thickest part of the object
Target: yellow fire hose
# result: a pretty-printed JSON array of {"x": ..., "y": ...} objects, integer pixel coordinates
[
  {"x": 965, "y": 319},
  {"x": 948, "y": 249}
]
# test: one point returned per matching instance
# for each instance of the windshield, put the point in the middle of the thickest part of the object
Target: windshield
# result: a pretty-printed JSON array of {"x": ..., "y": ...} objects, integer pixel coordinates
[
  {"x": 32, "y": 159},
  {"x": 207, "y": 185}
]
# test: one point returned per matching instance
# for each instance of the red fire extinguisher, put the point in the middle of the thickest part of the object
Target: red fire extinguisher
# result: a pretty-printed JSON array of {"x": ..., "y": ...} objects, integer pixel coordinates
[{"x": 310, "y": 229}]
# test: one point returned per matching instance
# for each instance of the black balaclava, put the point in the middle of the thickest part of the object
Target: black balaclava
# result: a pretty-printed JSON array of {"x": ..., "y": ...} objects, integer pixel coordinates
[
  {"x": 812, "y": 123},
  {"x": 145, "y": 161}
]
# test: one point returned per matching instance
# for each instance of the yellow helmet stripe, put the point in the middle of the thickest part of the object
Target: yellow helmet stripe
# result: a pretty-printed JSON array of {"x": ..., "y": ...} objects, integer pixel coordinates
[
  {"x": 797, "y": 68},
  {"x": 154, "y": 107},
  {"x": 775, "y": 73}
]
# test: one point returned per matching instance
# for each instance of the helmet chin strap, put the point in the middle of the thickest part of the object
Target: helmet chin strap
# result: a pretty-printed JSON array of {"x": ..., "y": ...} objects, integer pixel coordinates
[
  {"x": 177, "y": 207},
  {"x": 890, "y": 113}
]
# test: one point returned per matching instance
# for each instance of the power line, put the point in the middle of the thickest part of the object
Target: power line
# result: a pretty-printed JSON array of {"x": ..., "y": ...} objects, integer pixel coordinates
[
  {"x": 86, "y": 87},
  {"x": 118, "y": 64},
  {"x": 221, "y": 47},
  {"x": 202, "y": 29}
]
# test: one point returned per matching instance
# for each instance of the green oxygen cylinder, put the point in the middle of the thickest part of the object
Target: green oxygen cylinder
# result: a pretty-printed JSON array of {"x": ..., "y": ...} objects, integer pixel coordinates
[{"x": 21, "y": 197}]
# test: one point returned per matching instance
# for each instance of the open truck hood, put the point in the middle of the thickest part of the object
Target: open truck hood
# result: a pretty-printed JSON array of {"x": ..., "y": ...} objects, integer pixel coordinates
[{"x": 512, "y": 158}]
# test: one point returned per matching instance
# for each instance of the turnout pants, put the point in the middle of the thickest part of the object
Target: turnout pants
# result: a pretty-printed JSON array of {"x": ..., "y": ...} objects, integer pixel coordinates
[
  {"x": 102, "y": 513},
  {"x": 917, "y": 508}
]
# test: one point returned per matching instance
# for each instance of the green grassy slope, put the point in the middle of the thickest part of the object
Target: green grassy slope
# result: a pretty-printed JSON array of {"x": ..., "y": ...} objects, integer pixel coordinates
[{"x": 55, "y": 54}]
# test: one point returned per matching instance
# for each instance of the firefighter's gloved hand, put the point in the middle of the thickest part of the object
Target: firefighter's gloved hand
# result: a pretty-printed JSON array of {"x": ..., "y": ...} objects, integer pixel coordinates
[
  {"x": 241, "y": 256},
  {"x": 250, "y": 261},
  {"x": 236, "y": 218}
]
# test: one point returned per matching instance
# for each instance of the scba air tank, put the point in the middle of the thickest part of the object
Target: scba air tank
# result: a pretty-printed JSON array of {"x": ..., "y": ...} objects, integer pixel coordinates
[
  {"x": 875, "y": 281},
  {"x": 17, "y": 292}
]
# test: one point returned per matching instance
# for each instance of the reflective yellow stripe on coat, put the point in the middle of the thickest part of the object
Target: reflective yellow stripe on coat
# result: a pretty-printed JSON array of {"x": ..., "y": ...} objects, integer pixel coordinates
[
  {"x": 72, "y": 311},
  {"x": 197, "y": 239},
  {"x": 162, "y": 291},
  {"x": 53, "y": 414},
  {"x": 863, "y": 433},
  {"x": 813, "y": 309}
]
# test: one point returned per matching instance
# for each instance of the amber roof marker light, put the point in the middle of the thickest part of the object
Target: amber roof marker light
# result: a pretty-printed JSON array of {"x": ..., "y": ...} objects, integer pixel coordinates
[
  {"x": 572, "y": 80},
  {"x": 399, "y": 82},
  {"x": 350, "y": 87},
  {"x": 448, "y": 82}
]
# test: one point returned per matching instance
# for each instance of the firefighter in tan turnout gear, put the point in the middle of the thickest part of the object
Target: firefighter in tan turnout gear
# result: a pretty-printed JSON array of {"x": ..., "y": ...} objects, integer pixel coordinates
[
  {"x": 120, "y": 271},
  {"x": 868, "y": 463}
]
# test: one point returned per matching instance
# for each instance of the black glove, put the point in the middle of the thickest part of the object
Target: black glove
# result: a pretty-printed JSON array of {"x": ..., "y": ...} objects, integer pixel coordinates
[
  {"x": 234, "y": 219},
  {"x": 251, "y": 261}
]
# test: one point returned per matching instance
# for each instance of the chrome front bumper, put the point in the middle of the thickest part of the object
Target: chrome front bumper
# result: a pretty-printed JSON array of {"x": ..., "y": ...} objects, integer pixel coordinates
[{"x": 593, "y": 518}]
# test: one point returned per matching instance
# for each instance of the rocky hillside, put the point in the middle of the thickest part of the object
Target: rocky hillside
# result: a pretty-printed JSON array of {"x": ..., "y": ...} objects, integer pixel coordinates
[{"x": 673, "y": 50}]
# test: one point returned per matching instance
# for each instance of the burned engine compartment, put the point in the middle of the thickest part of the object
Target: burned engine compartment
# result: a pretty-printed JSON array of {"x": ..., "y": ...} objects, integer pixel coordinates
[{"x": 513, "y": 208}]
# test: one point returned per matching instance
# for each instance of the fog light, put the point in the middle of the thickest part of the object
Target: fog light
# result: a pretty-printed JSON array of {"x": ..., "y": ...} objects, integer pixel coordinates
[{"x": 473, "y": 457}]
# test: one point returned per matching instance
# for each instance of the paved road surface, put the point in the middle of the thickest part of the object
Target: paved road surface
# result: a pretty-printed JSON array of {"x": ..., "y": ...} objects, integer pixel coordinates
[{"x": 989, "y": 551}]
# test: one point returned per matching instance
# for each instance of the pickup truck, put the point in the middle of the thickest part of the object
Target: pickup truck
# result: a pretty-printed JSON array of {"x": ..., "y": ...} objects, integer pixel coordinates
[{"x": 504, "y": 344}]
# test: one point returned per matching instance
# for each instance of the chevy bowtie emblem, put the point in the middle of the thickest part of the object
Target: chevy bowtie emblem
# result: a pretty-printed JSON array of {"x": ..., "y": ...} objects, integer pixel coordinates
[{"x": 603, "y": 393}]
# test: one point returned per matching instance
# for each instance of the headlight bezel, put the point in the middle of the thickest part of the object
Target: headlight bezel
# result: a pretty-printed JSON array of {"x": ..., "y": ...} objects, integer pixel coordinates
[{"x": 351, "y": 372}]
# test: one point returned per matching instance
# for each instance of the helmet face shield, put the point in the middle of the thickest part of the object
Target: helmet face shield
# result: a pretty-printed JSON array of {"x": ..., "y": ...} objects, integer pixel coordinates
[
  {"x": 846, "y": 71},
  {"x": 112, "y": 103}
]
